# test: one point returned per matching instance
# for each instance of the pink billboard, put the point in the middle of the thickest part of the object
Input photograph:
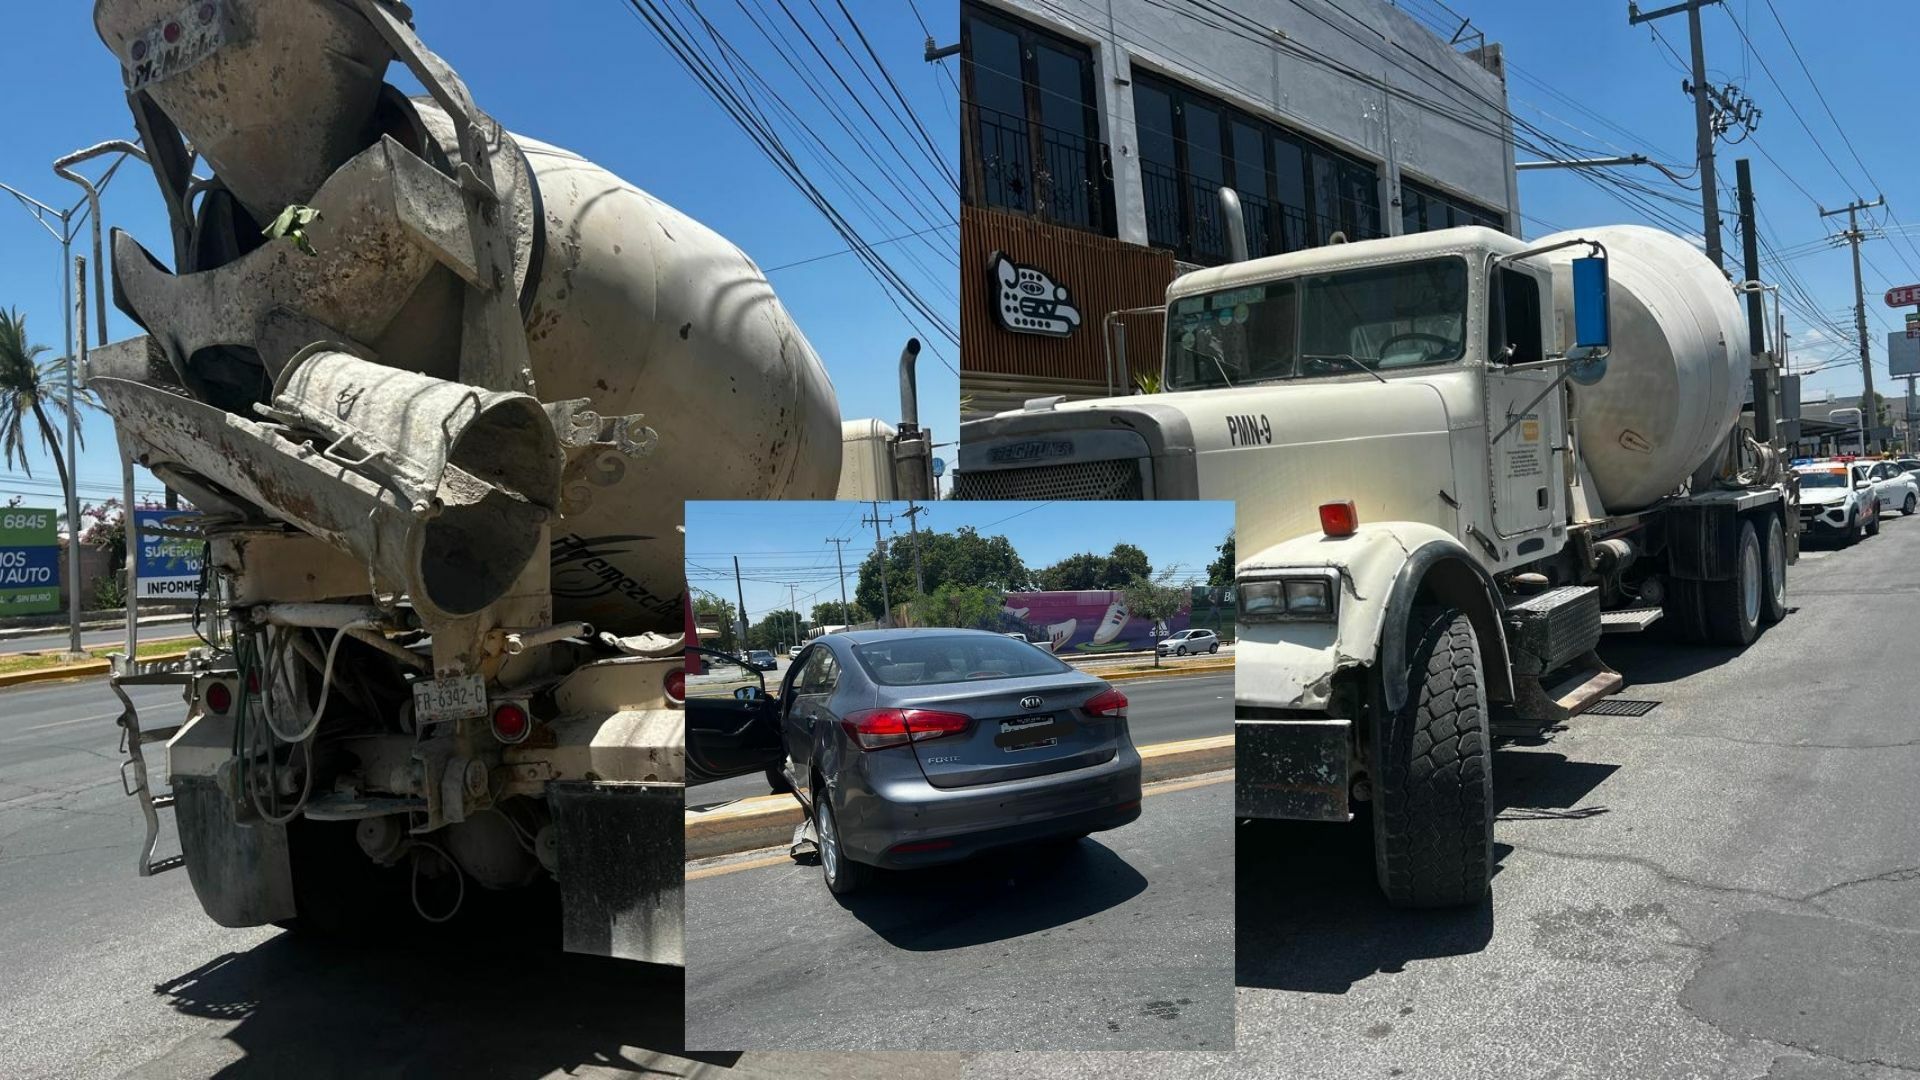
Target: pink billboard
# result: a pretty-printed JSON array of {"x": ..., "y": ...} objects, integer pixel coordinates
[{"x": 1085, "y": 621}]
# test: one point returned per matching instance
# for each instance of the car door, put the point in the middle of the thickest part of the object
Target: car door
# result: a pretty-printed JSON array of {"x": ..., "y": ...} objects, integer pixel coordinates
[
  {"x": 810, "y": 682},
  {"x": 1887, "y": 485},
  {"x": 733, "y": 726}
]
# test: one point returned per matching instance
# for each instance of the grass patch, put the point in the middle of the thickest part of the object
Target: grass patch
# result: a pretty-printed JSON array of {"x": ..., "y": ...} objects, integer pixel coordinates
[{"x": 15, "y": 663}]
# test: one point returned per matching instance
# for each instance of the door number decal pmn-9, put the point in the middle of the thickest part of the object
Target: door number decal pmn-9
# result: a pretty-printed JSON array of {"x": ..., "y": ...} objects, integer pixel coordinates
[{"x": 1244, "y": 430}]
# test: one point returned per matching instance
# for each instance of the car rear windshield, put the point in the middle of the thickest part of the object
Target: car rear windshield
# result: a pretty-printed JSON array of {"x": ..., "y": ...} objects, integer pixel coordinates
[{"x": 924, "y": 661}]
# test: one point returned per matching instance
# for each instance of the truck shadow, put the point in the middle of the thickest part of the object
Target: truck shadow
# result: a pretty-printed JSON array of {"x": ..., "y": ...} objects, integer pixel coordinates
[
  {"x": 1007, "y": 895},
  {"x": 1309, "y": 915},
  {"x": 301, "y": 1006},
  {"x": 1657, "y": 657}
]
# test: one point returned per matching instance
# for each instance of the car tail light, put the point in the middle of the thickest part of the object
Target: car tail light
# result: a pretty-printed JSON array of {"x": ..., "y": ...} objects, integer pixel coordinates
[
  {"x": 874, "y": 729},
  {"x": 219, "y": 698},
  {"x": 511, "y": 724},
  {"x": 676, "y": 684},
  {"x": 1108, "y": 702},
  {"x": 1339, "y": 518}
]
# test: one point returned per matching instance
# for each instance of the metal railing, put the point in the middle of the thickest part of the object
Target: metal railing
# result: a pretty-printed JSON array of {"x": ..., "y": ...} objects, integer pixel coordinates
[{"x": 1029, "y": 168}]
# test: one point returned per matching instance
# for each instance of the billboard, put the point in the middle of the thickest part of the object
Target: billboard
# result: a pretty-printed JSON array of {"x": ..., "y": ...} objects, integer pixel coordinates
[
  {"x": 165, "y": 567},
  {"x": 1903, "y": 354},
  {"x": 29, "y": 562},
  {"x": 1085, "y": 621}
]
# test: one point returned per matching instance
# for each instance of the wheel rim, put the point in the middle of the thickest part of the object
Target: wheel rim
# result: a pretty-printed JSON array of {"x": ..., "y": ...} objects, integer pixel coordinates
[
  {"x": 1777, "y": 563},
  {"x": 829, "y": 838},
  {"x": 1750, "y": 577}
]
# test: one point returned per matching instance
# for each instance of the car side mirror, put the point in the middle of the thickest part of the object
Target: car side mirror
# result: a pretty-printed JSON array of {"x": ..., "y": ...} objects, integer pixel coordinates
[
  {"x": 1864, "y": 485},
  {"x": 749, "y": 693}
]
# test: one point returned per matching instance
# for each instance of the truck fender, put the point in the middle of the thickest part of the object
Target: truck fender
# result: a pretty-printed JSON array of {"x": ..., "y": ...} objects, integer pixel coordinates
[{"x": 1440, "y": 570}]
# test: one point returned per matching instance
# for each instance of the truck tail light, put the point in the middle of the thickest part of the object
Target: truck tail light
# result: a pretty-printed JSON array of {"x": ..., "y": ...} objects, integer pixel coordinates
[
  {"x": 676, "y": 685},
  {"x": 874, "y": 729},
  {"x": 219, "y": 698},
  {"x": 1108, "y": 702},
  {"x": 511, "y": 724},
  {"x": 1339, "y": 518}
]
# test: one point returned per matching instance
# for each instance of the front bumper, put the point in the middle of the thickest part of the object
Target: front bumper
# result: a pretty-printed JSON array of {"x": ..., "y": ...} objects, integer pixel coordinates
[
  {"x": 971, "y": 820},
  {"x": 1295, "y": 768},
  {"x": 1830, "y": 520}
]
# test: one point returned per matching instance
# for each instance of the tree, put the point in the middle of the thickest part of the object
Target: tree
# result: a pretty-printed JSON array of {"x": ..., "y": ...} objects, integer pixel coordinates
[
  {"x": 778, "y": 630},
  {"x": 716, "y": 611},
  {"x": 1157, "y": 601},
  {"x": 1121, "y": 567},
  {"x": 1220, "y": 570},
  {"x": 967, "y": 607},
  {"x": 834, "y": 613},
  {"x": 31, "y": 388},
  {"x": 962, "y": 557}
]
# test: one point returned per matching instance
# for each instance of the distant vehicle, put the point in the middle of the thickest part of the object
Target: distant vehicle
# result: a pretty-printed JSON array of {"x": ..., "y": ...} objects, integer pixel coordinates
[
  {"x": 912, "y": 748},
  {"x": 793, "y": 651},
  {"x": 1189, "y": 641},
  {"x": 1909, "y": 465},
  {"x": 761, "y": 660},
  {"x": 1893, "y": 486},
  {"x": 1832, "y": 505}
]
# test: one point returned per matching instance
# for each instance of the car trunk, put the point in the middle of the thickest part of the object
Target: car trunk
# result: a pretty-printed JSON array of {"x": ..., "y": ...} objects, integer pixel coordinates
[{"x": 1013, "y": 736}]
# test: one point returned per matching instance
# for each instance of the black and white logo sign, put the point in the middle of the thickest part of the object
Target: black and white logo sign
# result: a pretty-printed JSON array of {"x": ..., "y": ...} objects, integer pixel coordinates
[
  {"x": 1030, "y": 702},
  {"x": 1027, "y": 301}
]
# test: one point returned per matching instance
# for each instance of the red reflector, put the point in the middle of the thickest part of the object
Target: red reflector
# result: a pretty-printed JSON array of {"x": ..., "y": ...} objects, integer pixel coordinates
[
  {"x": 219, "y": 698},
  {"x": 919, "y": 845},
  {"x": 1108, "y": 702},
  {"x": 1134, "y": 805},
  {"x": 253, "y": 682},
  {"x": 877, "y": 728},
  {"x": 676, "y": 683},
  {"x": 171, "y": 33},
  {"x": 510, "y": 723},
  {"x": 1338, "y": 518}
]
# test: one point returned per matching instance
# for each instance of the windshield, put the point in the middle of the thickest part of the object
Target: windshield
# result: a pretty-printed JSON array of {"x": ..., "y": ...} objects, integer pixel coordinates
[
  {"x": 921, "y": 660},
  {"x": 1822, "y": 480},
  {"x": 1380, "y": 318}
]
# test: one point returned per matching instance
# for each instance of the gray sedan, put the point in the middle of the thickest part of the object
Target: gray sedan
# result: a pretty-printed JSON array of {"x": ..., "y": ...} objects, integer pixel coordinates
[{"x": 916, "y": 747}]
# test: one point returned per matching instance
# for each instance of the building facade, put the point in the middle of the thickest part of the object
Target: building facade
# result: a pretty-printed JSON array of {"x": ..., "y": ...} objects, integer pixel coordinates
[{"x": 1096, "y": 137}]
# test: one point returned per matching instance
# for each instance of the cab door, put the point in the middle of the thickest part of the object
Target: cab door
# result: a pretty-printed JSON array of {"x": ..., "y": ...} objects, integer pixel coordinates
[{"x": 1526, "y": 411}]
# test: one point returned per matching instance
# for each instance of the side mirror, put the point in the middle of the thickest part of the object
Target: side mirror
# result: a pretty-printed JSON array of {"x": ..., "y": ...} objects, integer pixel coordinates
[{"x": 749, "y": 693}]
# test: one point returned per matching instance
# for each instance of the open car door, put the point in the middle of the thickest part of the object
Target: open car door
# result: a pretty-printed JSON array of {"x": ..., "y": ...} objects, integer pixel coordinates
[{"x": 733, "y": 724}]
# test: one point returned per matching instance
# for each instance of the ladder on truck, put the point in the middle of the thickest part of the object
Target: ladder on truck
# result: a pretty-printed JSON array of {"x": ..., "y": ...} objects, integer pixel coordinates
[{"x": 134, "y": 778}]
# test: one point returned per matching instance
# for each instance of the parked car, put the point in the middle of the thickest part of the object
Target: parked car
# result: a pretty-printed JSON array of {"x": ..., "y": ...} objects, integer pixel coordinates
[
  {"x": 761, "y": 660},
  {"x": 1188, "y": 641},
  {"x": 1893, "y": 486},
  {"x": 911, "y": 748},
  {"x": 1908, "y": 465},
  {"x": 793, "y": 651},
  {"x": 1833, "y": 505}
]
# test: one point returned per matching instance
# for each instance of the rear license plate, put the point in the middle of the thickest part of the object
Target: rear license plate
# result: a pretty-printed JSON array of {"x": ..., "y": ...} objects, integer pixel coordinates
[
  {"x": 449, "y": 699},
  {"x": 195, "y": 31},
  {"x": 1030, "y": 733}
]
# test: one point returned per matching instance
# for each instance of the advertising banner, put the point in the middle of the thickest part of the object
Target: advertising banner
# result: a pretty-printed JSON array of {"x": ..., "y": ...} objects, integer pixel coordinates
[
  {"x": 166, "y": 567},
  {"x": 29, "y": 562},
  {"x": 1088, "y": 621}
]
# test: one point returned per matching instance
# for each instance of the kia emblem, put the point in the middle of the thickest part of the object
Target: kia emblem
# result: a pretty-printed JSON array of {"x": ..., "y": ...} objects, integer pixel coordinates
[{"x": 1031, "y": 701}]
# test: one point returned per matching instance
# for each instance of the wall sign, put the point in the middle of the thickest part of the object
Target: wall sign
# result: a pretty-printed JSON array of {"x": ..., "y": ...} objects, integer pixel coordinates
[
  {"x": 29, "y": 562},
  {"x": 1027, "y": 301}
]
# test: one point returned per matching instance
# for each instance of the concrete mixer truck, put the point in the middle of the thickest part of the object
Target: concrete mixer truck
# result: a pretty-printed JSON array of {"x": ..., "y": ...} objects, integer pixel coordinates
[
  {"x": 1459, "y": 459},
  {"x": 438, "y": 392}
]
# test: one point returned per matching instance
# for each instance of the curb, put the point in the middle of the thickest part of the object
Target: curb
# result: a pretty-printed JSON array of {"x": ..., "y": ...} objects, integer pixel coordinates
[
  {"x": 768, "y": 820},
  {"x": 1162, "y": 673},
  {"x": 74, "y": 671}
]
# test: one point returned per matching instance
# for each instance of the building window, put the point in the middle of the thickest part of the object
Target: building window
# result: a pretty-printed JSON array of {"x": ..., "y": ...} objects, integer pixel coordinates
[
  {"x": 1294, "y": 192},
  {"x": 1423, "y": 209},
  {"x": 1033, "y": 129}
]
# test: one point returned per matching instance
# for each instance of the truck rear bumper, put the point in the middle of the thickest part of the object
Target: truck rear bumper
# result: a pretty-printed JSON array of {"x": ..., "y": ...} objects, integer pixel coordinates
[{"x": 1292, "y": 768}]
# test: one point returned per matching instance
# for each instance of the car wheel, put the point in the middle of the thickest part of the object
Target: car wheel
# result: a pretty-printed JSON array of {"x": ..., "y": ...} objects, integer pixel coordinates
[
  {"x": 843, "y": 875},
  {"x": 777, "y": 780},
  {"x": 1907, "y": 508},
  {"x": 1854, "y": 531},
  {"x": 1873, "y": 527},
  {"x": 1214, "y": 648},
  {"x": 1181, "y": 651}
]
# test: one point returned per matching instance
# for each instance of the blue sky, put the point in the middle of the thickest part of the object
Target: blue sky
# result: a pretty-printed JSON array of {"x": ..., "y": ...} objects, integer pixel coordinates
[
  {"x": 785, "y": 542},
  {"x": 584, "y": 74}
]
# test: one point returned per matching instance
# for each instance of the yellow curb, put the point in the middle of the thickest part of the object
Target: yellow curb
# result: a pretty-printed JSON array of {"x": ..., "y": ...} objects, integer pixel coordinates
[
  {"x": 1161, "y": 673},
  {"x": 73, "y": 671},
  {"x": 766, "y": 820}
]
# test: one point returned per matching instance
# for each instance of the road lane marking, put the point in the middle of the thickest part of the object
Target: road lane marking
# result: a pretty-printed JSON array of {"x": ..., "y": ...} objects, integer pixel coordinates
[{"x": 1166, "y": 788}]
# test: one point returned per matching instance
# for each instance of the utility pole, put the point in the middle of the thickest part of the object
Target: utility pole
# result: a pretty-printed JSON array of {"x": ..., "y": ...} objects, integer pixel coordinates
[
  {"x": 793, "y": 606},
  {"x": 1761, "y": 368},
  {"x": 886, "y": 602},
  {"x": 1702, "y": 112},
  {"x": 741, "y": 595},
  {"x": 839, "y": 559},
  {"x": 913, "y": 513},
  {"x": 1869, "y": 416}
]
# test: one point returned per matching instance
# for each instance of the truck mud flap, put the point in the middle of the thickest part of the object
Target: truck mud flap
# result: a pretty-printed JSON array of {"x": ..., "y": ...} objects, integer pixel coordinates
[
  {"x": 1294, "y": 768},
  {"x": 241, "y": 873},
  {"x": 621, "y": 856}
]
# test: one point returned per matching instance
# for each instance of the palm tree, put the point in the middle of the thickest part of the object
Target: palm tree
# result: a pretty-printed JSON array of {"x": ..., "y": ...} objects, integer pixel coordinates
[{"x": 29, "y": 386}]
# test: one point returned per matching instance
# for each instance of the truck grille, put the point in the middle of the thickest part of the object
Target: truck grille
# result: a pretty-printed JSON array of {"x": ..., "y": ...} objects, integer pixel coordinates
[{"x": 1078, "y": 480}]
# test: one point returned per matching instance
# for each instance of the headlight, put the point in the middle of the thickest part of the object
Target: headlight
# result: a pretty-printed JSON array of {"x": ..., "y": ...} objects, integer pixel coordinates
[{"x": 1305, "y": 598}]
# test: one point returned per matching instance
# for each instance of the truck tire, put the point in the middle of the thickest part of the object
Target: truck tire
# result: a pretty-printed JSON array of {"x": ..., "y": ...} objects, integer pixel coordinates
[
  {"x": 1773, "y": 598},
  {"x": 1732, "y": 608},
  {"x": 1433, "y": 776}
]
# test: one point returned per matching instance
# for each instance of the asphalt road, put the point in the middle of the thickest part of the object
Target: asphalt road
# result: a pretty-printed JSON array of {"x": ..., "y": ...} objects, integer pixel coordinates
[
  {"x": 1726, "y": 887},
  {"x": 1123, "y": 943},
  {"x": 1158, "y": 710}
]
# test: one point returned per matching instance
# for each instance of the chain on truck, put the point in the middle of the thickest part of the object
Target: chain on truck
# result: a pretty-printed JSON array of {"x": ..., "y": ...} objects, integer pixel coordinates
[
  {"x": 1459, "y": 459},
  {"x": 439, "y": 392}
]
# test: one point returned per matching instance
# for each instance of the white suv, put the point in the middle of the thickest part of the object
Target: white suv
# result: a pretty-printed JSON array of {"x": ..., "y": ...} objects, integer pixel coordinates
[
  {"x": 1893, "y": 485},
  {"x": 1189, "y": 641},
  {"x": 1834, "y": 504}
]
